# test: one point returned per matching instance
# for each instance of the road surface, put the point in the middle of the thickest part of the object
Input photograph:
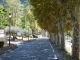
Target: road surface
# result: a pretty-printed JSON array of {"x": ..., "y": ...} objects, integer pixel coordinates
[{"x": 39, "y": 49}]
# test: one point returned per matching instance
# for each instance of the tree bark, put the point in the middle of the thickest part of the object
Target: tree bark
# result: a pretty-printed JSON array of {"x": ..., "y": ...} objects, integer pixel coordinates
[
  {"x": 62, "y": 41},
  {"x": 79, "y": 40},
  {"x": 76, "y": 33},
  {"x": 62, "y": 36},
  {"x": 76, "y": 36},
  {"x": 22, "y": 37},
  {"x": 76, "y": 27},
  {"x": 75, "y": 42},
  {"x": 52, "y": 37},
  {"x": 57, "y": 39}
]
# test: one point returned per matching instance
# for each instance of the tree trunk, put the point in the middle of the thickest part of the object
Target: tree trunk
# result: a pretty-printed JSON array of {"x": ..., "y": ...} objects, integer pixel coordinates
[
  {"x": 79, "y": 40},
  {"x": 14, "y": 37},
  {"x": 78, "y": 18},
  {"x": 62, "y": 41},
  {"x": 22, "y": 37},
  {"x": 76, "y": 33},
  {"x": 75, "y": 42},
  {"x": 52, "y": 37},
  {"x": 57, "y": 39},
  {"x": 62, "y": 35},
  {"x": 76, "y": 28}
]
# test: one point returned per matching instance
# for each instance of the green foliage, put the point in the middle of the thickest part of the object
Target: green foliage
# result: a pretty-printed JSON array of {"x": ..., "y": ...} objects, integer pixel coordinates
[
  {"x": 15, "y": 30},
  {"x": 49, "y": 18},
  {"x": 59, "y": 15},
  {"x": 31, "y": 19},
  {"x": 15, "y": 7},
  {"x": 3, "y": 17},
  {"x": 23, "y": 22},
  {"x": 69, "y": 33}
]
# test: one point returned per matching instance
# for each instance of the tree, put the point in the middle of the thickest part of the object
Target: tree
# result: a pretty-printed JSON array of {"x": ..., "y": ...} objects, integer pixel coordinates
[
  {"x": 15, "y": 7},
  {"x": 49, "y": 18},
  {"x": 73, "y": 9},
  {"x": 3, "y": 13},
  {"x": 31, "y": 19},
  {"x": 41, "y": 11}
]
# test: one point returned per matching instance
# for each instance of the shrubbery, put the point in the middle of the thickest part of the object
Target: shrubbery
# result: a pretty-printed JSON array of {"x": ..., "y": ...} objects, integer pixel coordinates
[
  {"x": 24, "y": 32},
  {"x": 15, "y": 30}
]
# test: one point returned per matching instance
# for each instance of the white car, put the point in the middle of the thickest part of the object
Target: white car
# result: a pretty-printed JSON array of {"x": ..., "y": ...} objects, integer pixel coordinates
[{"x": 3, "y": 39}]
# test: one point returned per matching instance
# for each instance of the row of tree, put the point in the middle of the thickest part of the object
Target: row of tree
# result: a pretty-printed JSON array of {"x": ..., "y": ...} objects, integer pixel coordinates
[{"x": 59, "y": 17}]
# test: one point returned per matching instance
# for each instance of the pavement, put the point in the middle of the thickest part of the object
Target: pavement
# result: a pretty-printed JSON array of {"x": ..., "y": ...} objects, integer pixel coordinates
[{"x": 39, "y": 49}]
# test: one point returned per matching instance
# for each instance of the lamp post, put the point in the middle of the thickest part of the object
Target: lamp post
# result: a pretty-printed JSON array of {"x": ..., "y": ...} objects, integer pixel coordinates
[
  {"x": 28, "y": 32},
  {"x": 9, "y": 27}
]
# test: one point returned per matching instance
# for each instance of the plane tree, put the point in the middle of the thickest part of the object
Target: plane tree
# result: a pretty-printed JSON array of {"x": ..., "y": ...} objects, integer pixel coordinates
[
  {"x": 32, "y": 21},
  {"x": 51, "y": 17},
  {"x": 73, "y": 10}
]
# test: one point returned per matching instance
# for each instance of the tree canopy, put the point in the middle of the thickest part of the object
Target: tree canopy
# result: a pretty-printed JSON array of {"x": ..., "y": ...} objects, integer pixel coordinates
[
  {"x": 59, "y": 15},
  {"x": 49, "y": 14}
]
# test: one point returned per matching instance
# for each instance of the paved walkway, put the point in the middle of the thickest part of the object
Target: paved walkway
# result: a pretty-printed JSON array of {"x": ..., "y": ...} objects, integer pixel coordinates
[{"x": 39, "y": 49}]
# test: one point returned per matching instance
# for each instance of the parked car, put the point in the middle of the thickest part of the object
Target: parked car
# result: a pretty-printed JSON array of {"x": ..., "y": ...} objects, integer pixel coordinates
[{"x": 3, "y": 39}]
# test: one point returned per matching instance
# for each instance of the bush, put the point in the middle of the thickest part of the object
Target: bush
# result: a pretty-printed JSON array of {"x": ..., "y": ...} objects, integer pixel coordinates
[
  {"x": 15, "y": 30},
  {"x": 24, "y": 33}
]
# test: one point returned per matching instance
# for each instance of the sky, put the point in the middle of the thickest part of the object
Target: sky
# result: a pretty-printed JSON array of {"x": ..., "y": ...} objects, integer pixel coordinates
[{"x": 22, "y": 1}]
